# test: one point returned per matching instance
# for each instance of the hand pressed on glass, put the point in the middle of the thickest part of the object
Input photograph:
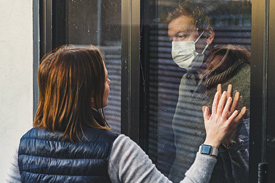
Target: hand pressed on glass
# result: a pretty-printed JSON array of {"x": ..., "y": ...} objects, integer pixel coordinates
[
  {"x": 218, "y": 123},
  {"x": 230, "y": 138}
]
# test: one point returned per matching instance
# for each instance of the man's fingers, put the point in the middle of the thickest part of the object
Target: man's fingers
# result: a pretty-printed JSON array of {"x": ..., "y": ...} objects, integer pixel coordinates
[
  {"x": 229, "y": 90},
  {"x": 219, "y": 88},
  {"x": 240, "y": 103},
  {"x": 231, "y": 118},
  {"x": 203, "y": 109},
  {"x": 238, "y": 118},
  {"x": 235, "y": 102},
  {"x": 243, "y": 112}
]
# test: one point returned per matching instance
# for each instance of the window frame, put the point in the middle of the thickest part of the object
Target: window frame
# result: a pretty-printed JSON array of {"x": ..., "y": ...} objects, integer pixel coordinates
[
  {"x": 130, "y": 69},
  {"x": 262, "y": 35},
  {"x": 270, "y": 137},
  {"x": 36, "y": 55},
  {"x": 134, "y": 100}
]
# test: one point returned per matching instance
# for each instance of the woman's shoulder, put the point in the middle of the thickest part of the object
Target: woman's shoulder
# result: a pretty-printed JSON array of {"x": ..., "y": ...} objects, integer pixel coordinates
[
  {"x": 30, "y": 133},
  {"x": 125, "y": 142}
]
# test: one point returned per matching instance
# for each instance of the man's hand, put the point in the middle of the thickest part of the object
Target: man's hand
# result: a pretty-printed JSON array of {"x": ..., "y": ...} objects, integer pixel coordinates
[
  {"x": 220, "y": 121},
  {"x": 233, "y": 131}
]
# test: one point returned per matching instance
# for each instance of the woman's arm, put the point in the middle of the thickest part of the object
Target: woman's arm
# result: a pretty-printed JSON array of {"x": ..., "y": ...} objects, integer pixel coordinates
[
  {"x": 14, "y": 174},
  {"x": 129, "y": 163}
]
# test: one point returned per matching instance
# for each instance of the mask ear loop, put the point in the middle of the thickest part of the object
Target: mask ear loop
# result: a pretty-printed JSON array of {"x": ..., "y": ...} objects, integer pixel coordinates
[
  {"x": 198, "y": 40},
  {"x": 199, "y": 36},
  {"x": 204, "y": 49}
]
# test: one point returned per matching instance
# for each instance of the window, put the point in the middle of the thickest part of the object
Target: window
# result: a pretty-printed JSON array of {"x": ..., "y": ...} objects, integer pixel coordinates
[
  {"x": 82, "y": 23},
  {"x": 156, "y": 96},
  {"x": 99, "y": 23},
  {"x": 178, "y": 87}
]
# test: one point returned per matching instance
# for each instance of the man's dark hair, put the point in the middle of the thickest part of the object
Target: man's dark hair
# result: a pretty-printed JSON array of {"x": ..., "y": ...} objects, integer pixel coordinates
[{"x": 199, "y": 11}]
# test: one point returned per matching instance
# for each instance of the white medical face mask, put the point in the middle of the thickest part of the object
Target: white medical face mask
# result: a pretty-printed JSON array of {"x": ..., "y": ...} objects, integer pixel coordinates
[{"x": 184, "y": 53}]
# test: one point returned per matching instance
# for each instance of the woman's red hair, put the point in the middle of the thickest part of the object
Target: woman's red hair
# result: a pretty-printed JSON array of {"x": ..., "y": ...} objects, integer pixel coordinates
[{"x": 68, "y": 80}]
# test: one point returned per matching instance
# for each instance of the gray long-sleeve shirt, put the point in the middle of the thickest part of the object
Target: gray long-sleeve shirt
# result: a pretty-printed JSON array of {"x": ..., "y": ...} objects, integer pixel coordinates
[{"x": 129, "y": 163}]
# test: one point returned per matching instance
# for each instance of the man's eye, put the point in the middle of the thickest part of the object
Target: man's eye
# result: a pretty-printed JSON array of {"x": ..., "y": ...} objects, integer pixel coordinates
[{"x": 181, "y": 37}]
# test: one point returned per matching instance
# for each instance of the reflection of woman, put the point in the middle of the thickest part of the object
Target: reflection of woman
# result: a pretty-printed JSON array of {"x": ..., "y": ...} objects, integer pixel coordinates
[
  {"x": 230, "y": 65},
  {"x": 227, "y": 65},
  {"x": 71, "y": 141}
]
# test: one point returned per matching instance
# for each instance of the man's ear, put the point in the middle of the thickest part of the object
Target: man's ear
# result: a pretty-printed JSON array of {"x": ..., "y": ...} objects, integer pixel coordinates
[{"x": 210, "y": 35}]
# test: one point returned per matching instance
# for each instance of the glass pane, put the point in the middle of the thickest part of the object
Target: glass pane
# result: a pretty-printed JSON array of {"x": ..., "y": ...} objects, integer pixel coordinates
[
  {"x": 98, "y": 23},
  {"x": 195, "y": 45}
]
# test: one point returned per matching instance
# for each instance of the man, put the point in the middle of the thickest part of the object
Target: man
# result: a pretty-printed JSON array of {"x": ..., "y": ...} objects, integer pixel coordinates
[{"x": 192, "y": 48}]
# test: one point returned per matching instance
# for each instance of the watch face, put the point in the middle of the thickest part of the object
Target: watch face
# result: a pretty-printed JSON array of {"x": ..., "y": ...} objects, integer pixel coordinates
[{"x": 206, "y": 149}]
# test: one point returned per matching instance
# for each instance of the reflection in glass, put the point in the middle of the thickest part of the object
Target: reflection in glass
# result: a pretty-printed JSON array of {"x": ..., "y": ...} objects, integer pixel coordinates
[
  {"x": 210, "y": 45},
  {"x": 98, "y": 23}
]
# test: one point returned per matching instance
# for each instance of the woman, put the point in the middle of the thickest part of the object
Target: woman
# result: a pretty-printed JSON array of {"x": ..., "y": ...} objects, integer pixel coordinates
[{"x": 71, "y": 140}]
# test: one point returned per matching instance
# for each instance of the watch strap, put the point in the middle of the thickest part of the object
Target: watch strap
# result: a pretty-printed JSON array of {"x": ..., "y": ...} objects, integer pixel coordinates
[
  {"x": 215, "y": 151},
  {"x": 208, "y": 150}
]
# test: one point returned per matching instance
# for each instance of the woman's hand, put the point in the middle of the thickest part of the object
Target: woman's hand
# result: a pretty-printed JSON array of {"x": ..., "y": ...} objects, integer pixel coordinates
[
  {"x": 220, "y": 121},
  {"x": 233, "y": 131}
]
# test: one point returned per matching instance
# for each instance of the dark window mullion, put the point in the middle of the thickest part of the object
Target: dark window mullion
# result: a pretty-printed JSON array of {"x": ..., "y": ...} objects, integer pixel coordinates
[
  {"x": 257, "y": 114},
  {"x": 45, "y": 27},
  {"x": 270, "y": 95},
  {"x": 59, "y": 23},
  {"x": 36, "y": 53},
  {"x": 130, "y": 68},
  {"x": 53, "y": 25}
]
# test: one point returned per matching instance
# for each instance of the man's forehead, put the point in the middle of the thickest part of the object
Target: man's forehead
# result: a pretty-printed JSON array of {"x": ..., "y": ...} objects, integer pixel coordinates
[
  {"x": 182, "y": 19},
  {"x": 182, "y": 22}
]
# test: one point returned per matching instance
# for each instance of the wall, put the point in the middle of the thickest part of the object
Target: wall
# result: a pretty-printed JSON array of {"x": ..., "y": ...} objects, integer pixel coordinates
[{"x": 16, "y": 76}]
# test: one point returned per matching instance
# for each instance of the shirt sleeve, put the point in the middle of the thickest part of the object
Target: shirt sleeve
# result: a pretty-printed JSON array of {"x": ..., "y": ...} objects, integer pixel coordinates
[
  {"x": 129, "y": 163},
  {"x": 14, "y": 174}
]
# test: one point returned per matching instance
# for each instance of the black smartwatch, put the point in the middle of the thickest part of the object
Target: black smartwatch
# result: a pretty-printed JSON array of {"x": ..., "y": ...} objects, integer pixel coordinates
[{"x": 208, "y": 150}]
